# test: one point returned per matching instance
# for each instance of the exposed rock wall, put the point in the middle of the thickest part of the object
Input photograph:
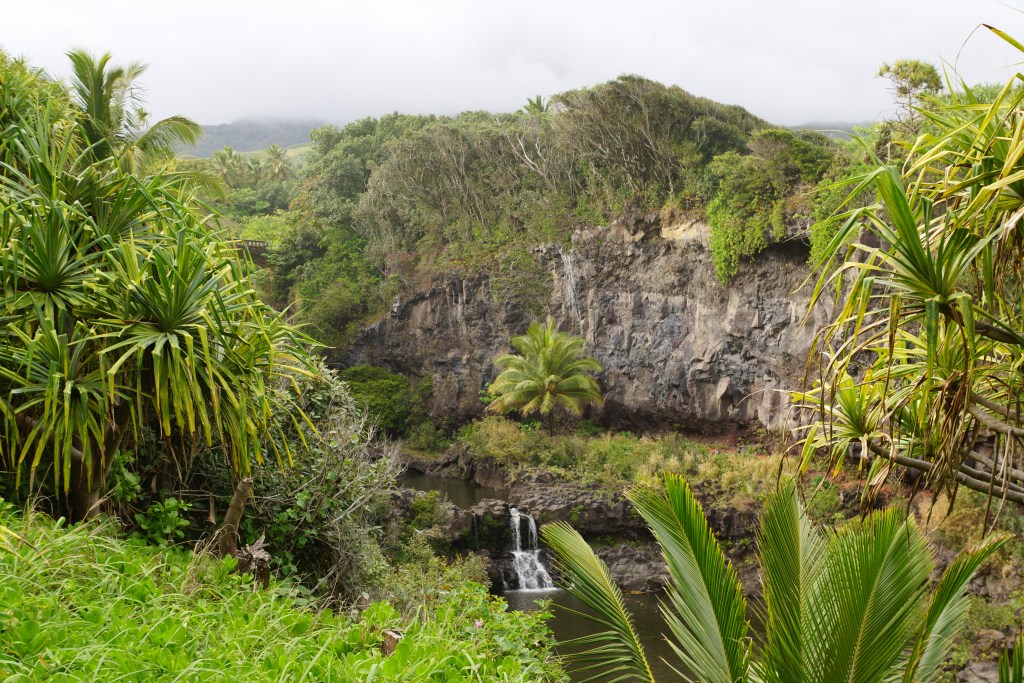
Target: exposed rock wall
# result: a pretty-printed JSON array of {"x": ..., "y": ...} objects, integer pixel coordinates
[{"x": 678, "y": 347}]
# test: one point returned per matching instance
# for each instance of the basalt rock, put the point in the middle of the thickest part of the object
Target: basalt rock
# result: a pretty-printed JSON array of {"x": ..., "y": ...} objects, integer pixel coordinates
[
  {"x": 678, "y": 347},
  {"x": 636, "y": 568},
  {"x": 590, "y": 511},
  {"x": 458, "y": 463}
]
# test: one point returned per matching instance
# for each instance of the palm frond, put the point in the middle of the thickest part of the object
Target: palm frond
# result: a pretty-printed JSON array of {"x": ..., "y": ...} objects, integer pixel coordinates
[
  {"x": 706, "y": 610},
  {"x": 1011, "y": 663},
  {"x": 791, "y": 553},
  {"x": 864, "y": 603},
  {"x": 615, "y": 653},
  {"x": 946, "y": 610}
]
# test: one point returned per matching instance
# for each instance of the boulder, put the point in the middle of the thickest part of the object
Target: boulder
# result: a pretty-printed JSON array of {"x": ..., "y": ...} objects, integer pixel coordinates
[{"x": 979, "y": 672}]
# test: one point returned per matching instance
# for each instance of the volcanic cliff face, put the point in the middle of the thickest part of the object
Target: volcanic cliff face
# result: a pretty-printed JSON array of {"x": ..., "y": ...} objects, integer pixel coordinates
[{"x": 678, "y": 347}]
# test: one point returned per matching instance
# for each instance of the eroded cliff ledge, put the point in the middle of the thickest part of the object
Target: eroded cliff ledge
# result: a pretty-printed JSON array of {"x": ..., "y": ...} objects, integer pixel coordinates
[{"x": 679, "y": 348}]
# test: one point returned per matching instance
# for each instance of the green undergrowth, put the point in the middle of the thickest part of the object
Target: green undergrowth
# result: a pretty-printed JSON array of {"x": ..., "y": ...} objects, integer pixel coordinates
[
  {"x": 79, "y": 604},
  {"x": 958, "y": 527},
  {"x": 592, "y": 455}
]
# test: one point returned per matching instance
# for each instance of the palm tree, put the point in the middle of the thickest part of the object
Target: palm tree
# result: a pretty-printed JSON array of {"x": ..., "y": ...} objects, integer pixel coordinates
[
  {"x": 278, "y": 166},
  {"x": 921, "y": 368},
  {"x": 255, "y": 170},
  {"x": 548, "y": 375},
  {"x": 123, "y": 310},
  {"x": 114, "y": 122},
  {"x": 852, "y": 604},
  {"x": 229, "y": 165},
  {"x": 535, "y": 106}
]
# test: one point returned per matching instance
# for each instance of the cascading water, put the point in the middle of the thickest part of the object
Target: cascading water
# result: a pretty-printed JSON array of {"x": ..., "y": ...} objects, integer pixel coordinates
[
  {"x": 570, "y": 284},
  {"x": 530, "y": 573}
]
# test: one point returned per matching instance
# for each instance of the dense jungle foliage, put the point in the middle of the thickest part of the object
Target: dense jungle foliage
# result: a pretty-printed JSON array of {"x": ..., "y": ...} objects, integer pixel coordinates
[
  {"x": 140, "y": 378},
  {"x": 388, "y": 205},
  {"x": 146, "y": 364}
]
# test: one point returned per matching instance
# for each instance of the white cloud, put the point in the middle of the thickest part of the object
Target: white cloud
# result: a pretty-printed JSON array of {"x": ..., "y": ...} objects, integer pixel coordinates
[{"x": 790, "y": 61}]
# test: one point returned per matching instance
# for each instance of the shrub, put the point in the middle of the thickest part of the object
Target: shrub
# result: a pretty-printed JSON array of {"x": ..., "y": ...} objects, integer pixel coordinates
[
  {"x": 388, "y": 398},
  {"x": 163, "y": 522},
  {"x": 427, "y": 437}
]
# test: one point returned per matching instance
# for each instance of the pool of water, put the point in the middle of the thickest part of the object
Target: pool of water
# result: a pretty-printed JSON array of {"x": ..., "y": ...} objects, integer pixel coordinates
[
  {"x": 464, "y": 494},
  {"x": 566, "y": 625}
]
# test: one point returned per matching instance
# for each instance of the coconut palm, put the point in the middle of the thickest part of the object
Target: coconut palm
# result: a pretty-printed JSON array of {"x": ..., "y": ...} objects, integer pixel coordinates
[
  {"x": 548, "y": 374},
  {"x": 123, "y": 310},
  {"x": 922, "y": 367},
  {"x": 851, "y": 604},
  {"x": 255, "y": 170},
  {"x": 229, "y": 165},
  {"x": 113, "y": 120},
  {"x": 278, "y": 166},
  {"x": 535, "y": 106}
]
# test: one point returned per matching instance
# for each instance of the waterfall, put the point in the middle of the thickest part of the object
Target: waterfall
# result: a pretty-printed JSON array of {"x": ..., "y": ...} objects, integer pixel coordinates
[
  {"x": 570, "y": 285},
  {"x": 530, "y": 573}
]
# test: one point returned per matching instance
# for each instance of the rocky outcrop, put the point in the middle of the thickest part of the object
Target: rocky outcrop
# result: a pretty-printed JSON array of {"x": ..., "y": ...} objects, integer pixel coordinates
[
  {"x": 602, "y": 515},
  {"x": 678, "y": 347},
  {"x": 458, "y": 463},
  {"x": 636, "y": 568},
  {"x": 590, "y": 511}
]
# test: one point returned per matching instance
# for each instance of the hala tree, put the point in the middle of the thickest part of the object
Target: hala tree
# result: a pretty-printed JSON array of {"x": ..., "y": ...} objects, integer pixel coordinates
[
  {"x": 922, "y": 367},
  {"x": 549, "y": 373},
  {"x": 123, "y": 309}
]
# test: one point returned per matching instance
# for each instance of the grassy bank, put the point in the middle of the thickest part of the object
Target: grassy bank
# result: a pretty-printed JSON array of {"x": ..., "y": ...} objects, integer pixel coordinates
[
  {"x": 596, "y": 457},
  {"x": 80, "y": 604}
]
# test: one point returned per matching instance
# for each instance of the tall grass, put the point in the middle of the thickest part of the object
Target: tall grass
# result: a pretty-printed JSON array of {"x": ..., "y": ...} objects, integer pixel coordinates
[{"x": 79, "y": 604}]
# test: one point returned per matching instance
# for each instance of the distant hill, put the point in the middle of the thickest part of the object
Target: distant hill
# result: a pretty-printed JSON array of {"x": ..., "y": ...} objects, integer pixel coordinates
[
  {"x": 834, "y": 129},
  {"x": 252, "y": 136}
]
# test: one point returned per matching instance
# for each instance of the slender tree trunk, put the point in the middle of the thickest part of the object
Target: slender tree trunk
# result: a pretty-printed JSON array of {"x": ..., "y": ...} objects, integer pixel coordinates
[{"x": 229, "y": 530}]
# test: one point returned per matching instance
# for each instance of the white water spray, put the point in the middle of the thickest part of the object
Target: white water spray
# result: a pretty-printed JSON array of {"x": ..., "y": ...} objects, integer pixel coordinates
[
  {"x": 570, "y": 285},
  {"x": 531, "y": 574}
]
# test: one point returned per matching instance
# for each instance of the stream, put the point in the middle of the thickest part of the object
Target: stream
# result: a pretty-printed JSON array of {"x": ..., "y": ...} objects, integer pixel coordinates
[{"x": 565, "y": 624}]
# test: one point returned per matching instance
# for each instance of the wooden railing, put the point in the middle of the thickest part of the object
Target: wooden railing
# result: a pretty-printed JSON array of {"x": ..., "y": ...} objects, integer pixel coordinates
[{"x": 257, "y": 250}]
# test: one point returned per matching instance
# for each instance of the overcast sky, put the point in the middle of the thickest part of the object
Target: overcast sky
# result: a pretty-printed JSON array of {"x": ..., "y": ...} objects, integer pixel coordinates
[{"x": 789, "y": 61}]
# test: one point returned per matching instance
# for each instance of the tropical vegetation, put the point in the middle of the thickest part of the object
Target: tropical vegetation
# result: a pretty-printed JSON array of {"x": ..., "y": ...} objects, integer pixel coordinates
[
  {"x": 146, "y": 366},
  {"x": 922, "y": 367},
  {"x": 854, "y": 603},
  {"x": 124, "y": 309},
  {"x": 547, "y": 375}
]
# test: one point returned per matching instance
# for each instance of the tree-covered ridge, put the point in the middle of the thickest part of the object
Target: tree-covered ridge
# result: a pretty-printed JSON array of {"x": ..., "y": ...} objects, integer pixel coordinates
[
  {"x": 250, "y": 136},
  {"x": 397, "y": 203}
]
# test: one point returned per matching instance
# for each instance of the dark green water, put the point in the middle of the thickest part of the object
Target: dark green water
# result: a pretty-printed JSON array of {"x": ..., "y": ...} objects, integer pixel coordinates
[
  {"x": 566, "y": 625},
  {"x": 464, "y": 494}
]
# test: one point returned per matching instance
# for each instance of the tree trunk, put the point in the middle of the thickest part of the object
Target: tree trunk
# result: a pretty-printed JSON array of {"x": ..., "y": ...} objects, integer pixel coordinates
[
  {"x": 84, "y": 493},
  {"x": 83, "y": 490},
  {"x": 229, "y": 530}
]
